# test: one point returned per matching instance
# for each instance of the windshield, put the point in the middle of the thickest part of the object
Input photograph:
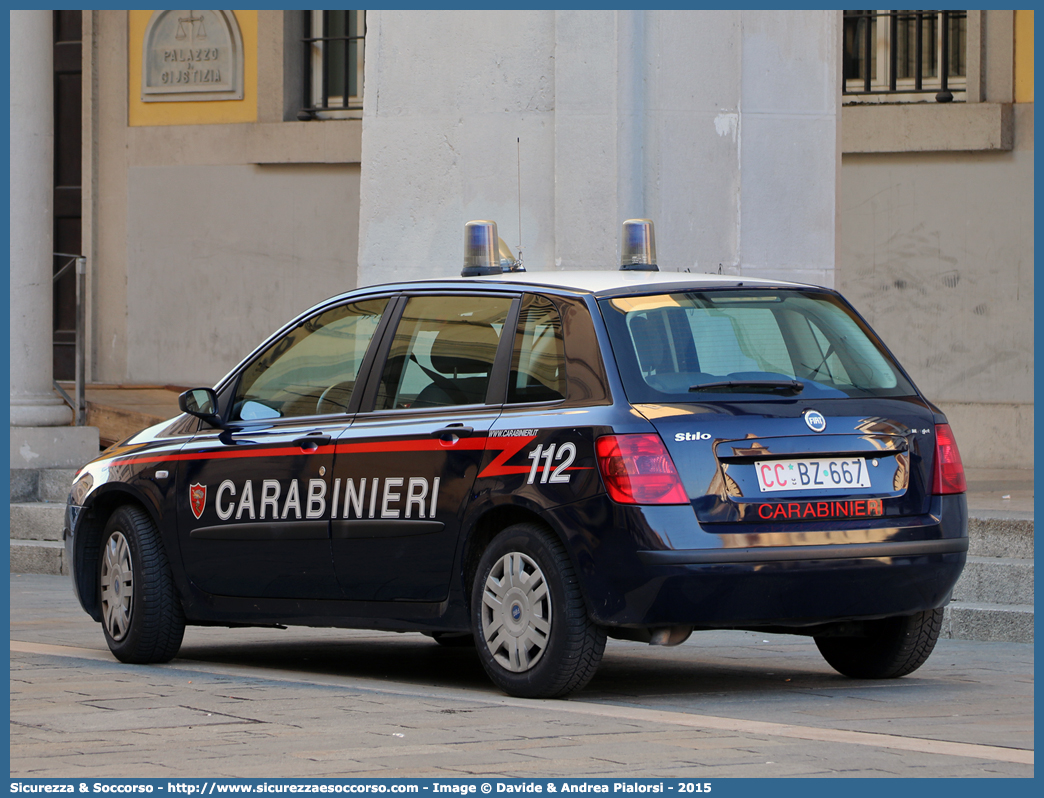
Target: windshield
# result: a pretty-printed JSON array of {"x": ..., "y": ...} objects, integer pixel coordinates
[{"x": 690, "y": 346}]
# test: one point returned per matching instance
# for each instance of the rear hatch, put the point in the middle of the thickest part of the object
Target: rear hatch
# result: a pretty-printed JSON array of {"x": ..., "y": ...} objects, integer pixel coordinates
[
  {"x": 759, "y": 462},
  {"x": 778, "y": 405}
]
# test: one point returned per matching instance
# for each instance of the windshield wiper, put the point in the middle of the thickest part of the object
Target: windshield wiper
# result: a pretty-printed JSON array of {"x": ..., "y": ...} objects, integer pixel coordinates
[{"x": 787, "y": 387}]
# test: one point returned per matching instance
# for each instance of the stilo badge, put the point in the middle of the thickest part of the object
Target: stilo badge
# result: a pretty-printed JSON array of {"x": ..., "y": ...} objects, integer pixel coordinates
[
  {"x": 197, "y": 499},
  {"x": 816, "y": 421}
]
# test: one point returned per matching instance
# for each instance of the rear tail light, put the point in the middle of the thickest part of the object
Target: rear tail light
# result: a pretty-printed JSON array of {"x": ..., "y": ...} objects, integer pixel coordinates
[
  {"x": 637, "y": 469},
  {"x": 948, "y": 472}
]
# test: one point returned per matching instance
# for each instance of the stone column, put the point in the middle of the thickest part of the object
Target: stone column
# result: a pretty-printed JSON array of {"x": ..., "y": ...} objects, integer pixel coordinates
[
  {"x": 39, "y": 439},
  {"x": 34, "y": 402}
]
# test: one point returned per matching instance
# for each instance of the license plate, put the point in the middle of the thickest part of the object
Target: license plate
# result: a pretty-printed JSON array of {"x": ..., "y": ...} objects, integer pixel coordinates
[{"x": 812, "y": 474}]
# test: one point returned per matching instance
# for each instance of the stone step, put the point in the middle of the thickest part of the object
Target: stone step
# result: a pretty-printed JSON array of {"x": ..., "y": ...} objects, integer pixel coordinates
[
  {"x": 995, "y": 534},
  {"x": 52, "y": 447},
  {"x": 41, "y": 484},
  {"x": 996, "y": 623},
  {"x": 25, "y": 484},
  {"x": 993, "y": 601},
  {"x": 996, "y": 580},
  {"x": 37, "y": 521},
  {"x": 38, "y": 557},
  {"x": 55, "y": 485}
]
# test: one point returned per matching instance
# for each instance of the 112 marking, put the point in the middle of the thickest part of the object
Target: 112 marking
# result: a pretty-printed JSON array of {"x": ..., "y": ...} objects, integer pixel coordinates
[{"x": 566, "y": 453}]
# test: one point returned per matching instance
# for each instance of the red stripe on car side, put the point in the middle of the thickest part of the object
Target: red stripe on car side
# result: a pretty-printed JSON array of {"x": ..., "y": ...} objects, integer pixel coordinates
[{"x": 497, "y": 468}]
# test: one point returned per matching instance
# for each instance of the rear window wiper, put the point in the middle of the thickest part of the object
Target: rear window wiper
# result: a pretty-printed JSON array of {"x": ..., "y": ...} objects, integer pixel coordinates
[{"x": 787, "y": 387}]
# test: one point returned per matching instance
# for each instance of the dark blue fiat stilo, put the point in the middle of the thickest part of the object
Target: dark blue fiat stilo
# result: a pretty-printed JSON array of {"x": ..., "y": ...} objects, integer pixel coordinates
[{"x": 533, "y": 462}]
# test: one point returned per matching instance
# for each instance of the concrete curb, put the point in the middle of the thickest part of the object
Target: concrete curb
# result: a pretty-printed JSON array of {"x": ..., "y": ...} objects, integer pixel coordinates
[{"x": 995, "y": 623}]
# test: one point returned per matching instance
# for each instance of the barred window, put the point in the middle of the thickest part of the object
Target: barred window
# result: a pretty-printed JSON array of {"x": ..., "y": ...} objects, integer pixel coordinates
[
  {"x": 334, "y": 64},
  {"x": 896, "y": 56}
]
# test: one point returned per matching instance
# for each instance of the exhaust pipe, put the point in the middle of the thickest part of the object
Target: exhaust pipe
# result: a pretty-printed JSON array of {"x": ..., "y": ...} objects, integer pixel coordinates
[{"x": 670, "y": 636}]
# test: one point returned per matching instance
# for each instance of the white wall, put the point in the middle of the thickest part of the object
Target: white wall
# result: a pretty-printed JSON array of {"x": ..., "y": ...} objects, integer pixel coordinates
[
  {"x": 447, "y": 95},
  {"x": 203, "y": 238},
  {"x": 720, "y": 126},
  {"x": 938, "y": 255},
  {"x": 219, "y": 257}
]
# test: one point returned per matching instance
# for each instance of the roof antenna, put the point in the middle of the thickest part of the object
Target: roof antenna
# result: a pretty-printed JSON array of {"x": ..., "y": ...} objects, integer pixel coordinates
[{"x": 518, "y": 144}]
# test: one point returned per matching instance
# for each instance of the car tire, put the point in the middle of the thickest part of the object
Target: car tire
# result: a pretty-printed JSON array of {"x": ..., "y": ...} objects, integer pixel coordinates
[
  {"x": 142, "y": 617},
  {"x": 531, "y": 627},
  {"x": 453, "y": 639},
  {"x": 892, "y": 647}
]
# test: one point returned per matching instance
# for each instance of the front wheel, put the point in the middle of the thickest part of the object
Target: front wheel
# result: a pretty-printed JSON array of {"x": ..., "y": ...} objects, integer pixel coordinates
[
  {"x": 142, "y": 616},
  {"x": 531, "y": 627},
  {"x": 892, "y": 647}
]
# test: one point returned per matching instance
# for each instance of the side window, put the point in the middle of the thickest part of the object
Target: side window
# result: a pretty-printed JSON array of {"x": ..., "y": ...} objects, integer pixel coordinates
[
  {"x": 538, "y": 361},
  {"x": 312, "y": 369},
  {"x": 443, "y": 352}
]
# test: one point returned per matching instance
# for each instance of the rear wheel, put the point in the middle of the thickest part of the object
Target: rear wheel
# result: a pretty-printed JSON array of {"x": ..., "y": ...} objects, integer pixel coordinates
[
  {"x": 891, "y": 648},
  {"x": 532, "y": 631},
  {"x": 142, "y": 616}
]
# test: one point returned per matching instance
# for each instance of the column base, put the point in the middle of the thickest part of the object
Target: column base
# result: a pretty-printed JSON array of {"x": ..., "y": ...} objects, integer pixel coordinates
[{"x": 40, "y": 410}]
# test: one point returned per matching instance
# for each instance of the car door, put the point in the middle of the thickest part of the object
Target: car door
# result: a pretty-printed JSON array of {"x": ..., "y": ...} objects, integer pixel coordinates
[
  {"x": 254, "y": 500},
  {"x": 541, "y": 451},
  {"x": 404, "y": 470}
]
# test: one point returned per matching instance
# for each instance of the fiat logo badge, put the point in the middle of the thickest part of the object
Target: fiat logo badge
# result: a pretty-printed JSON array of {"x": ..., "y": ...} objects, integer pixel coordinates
[
  {"x": 815, "y": 420},
  {"x": 516, "y": 612}
]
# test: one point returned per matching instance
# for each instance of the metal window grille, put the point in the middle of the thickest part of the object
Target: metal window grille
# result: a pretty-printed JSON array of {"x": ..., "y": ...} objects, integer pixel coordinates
[
  {"x": 906, "y": 55},
  {"x": 333, "y": 62}
]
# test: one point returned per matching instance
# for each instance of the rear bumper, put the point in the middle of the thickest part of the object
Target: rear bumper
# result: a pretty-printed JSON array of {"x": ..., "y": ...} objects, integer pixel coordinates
[
  {"x": 850, "y": 551},
  {"x": 632, "y": 576},
  {"x": 793, "y": 593}
]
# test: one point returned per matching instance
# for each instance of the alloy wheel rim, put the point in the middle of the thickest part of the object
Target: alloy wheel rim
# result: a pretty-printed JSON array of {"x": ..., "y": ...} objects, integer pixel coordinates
[
  {"x": 516, "y": 612},
  {"x": 117, "y": 586}
]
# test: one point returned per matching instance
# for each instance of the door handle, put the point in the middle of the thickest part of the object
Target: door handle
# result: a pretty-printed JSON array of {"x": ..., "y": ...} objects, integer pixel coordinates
[
  {"x": 312, "y": 441},
  {"x": 452, "y": 432}
]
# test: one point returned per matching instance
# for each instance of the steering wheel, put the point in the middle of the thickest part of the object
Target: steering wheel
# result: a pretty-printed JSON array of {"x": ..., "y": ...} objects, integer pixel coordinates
[{"x": 335, "y": 398}]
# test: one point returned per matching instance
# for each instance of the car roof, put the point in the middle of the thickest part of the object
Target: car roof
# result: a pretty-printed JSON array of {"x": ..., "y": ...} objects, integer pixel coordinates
[{"x": 612, "y": 283}]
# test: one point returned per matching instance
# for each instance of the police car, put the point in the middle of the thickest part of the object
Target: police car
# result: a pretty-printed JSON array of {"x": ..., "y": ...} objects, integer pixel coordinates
[{"x": 534, "y": 462}]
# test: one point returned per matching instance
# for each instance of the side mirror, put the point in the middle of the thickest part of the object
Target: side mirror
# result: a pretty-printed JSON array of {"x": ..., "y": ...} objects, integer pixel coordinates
[{"x": 201, "y": 403}]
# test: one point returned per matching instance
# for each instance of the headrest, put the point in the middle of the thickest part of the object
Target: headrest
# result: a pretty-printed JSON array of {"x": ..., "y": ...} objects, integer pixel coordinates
[
  {"x": 464, "y": 348},
  {"x": 650, "y": 346}
]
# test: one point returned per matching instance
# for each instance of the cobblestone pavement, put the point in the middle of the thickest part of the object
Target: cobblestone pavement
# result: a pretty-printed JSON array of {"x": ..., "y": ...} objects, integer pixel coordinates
[{"x": 304, "y": 702}]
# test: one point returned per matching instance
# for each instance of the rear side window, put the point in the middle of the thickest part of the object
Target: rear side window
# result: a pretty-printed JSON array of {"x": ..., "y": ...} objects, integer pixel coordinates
[
  {"x": 443, "y": 352},
  {"x": 668, "y": 345},
  {"x": 538, "y": 361}
]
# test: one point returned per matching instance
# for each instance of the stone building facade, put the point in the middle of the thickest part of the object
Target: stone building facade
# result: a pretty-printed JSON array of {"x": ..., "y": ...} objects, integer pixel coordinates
[{"x": 239, "y": 166}]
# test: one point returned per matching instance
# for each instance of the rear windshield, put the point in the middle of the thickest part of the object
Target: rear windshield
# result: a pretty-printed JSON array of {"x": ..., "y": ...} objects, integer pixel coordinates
[{"x": 687, "y": 347}]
